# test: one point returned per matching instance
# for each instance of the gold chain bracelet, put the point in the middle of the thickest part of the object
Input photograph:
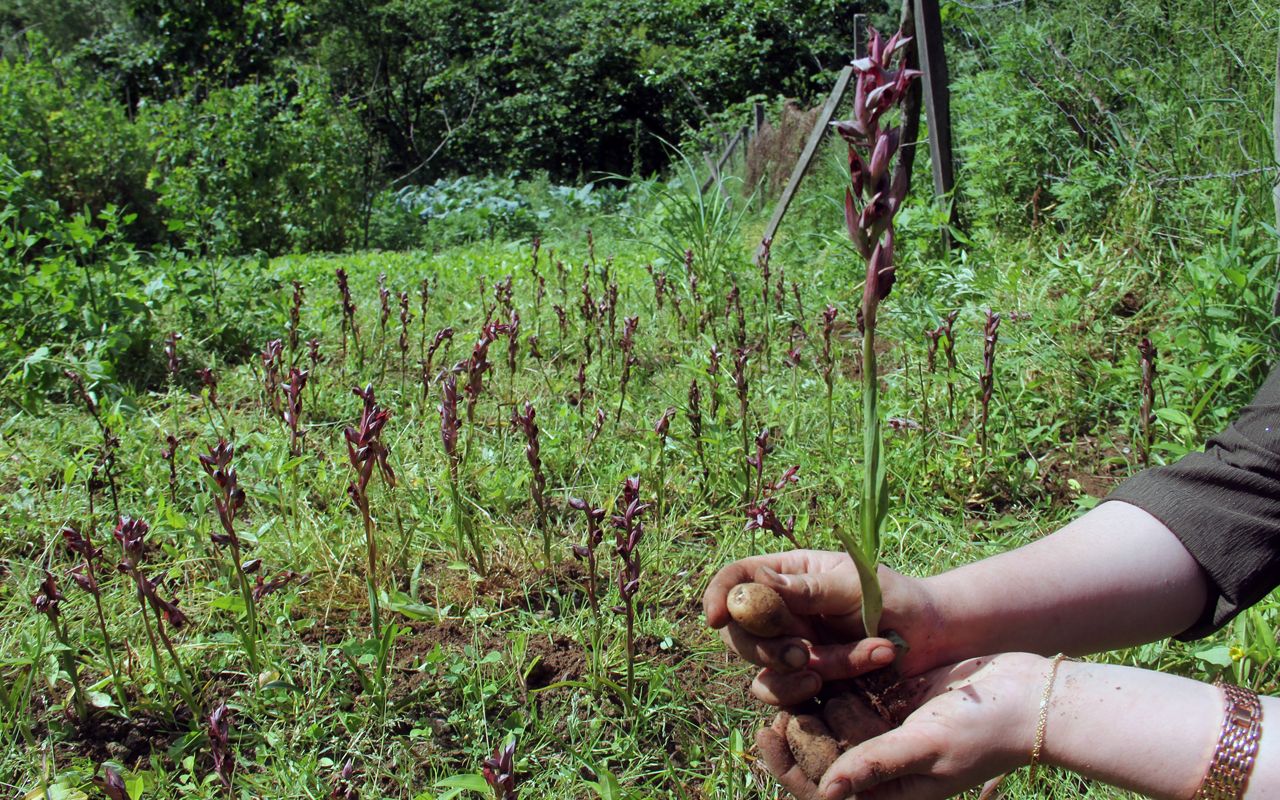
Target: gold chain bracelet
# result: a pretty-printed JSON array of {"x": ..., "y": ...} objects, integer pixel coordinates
[
  {"x": 1043, "y": 720},
  {"x": 1237, "y": 746}
]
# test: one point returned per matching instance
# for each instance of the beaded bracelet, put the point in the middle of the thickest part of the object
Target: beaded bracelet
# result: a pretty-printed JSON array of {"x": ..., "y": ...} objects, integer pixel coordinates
[{"x": 1237, "y": 746}]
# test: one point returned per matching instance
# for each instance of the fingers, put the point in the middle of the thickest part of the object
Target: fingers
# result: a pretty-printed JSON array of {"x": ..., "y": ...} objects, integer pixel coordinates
[
  {"x": 714, "y": 603},
  {"x": 828, "y": 592},
  {"x": 785, "y": 690},
  {"x": 776, "y": 754},
  {"x": 800, "y": 678},
  {"x": 783, "y": 654},
  {"x": 889, "y": 757},
  {"x": 744, "y": 570},
  {"x": 850, "y": 659}
]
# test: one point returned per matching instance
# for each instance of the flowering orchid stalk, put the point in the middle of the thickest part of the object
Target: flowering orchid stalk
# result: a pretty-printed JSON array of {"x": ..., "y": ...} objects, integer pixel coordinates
[
  {"x": 365, "y": 450},
  {"x": 218, "y": 729},
  {"x": 348, "y": 312},
  {"x": 870, "y": 202},
  {"x": 442, "y": 336},
  {"x": 694, "y": 413},
  {"x": 292, "y": 413},
  {"x": 740, "y": 382},
  {"x": 169, "y": 454},
  {"x": 449, "y": 438},
  {"x": 384, "y": 313},
  {"x": 765, "y": 246},
  {"x": 85, "y": 575},
  {"x": 629, "y": 531},
  {"x": 762, "y": 517},
  {"x": 987, "y": 381},
  {"x": 499, "y": 771},
  {"x": 528, "y": 423},
  {"x": 662, "y": 428},
  {"x": 829, "y": 366},
  {"x": 228, "y": 499},
  {"x": 405, "y": 319},
  {"x": 46, "y": 600},
  {"x": 295, "y": 317},
  {"x": 629, "y": 325},
  {"x": 131, "y": 534},
  {"x": 587, "y": 550},
  {"x": 949, "y": 349}
]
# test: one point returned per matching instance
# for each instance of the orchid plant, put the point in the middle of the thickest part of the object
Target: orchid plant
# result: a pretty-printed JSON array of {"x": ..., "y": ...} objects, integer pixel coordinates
[{"x": 871, "y": 200}]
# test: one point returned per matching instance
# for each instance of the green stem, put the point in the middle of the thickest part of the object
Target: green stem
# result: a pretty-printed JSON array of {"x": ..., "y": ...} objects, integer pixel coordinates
[
  {"x": 107, "y": 648},
  {"x": 631, "y": 652},
  {"x": 68, "y": 660},
  {"x": 185, "y": 688},
  {"x": 871, "y": 479},
  {"x": 251, "y": 615},
  {"x": 371, "y": 576}
]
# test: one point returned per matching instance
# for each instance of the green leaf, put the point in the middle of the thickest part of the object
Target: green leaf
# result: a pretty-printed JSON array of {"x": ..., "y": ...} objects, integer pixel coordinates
[
  {"x": 1219, "y": 656},
  {"x": 229, "y": 602},
  {"x": 457, "y": 784},
  {"x": 607, "y": 785},
  {"x": 1173, "y": 416},
  {"x": 100, "y": 699}
]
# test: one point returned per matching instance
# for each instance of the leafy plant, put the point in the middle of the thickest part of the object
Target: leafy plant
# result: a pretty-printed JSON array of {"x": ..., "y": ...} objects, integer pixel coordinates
[
  {"x": 629, "y": 530},
  {"x": 365, "y": 451},
  {"x": 685, "y": 218},
  {"x": 158, "y": 614},
  {"x": 229, "y": 499},
  {"x": 870, "y": 202}
]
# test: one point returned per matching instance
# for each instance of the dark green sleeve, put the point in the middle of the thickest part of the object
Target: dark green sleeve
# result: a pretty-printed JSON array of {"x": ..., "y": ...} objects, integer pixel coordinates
[{"x": 1224, "y": 505}]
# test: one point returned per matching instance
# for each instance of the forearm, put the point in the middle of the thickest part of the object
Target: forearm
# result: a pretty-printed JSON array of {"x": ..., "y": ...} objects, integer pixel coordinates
[
  {"x": 1113, "y": 578},
  {"x": 1147, "y": 731}
]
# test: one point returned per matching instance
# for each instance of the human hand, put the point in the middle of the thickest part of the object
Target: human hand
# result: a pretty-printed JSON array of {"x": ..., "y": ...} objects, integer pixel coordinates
[
  {"x": 965, "y": 723},
  {"x": 823, "y": 592}
]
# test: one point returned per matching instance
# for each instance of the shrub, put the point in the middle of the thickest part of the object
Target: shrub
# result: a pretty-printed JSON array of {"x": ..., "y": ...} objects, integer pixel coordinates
[
  {"x": 272, "y": 166},
  {"x": 75, "y": 140}
]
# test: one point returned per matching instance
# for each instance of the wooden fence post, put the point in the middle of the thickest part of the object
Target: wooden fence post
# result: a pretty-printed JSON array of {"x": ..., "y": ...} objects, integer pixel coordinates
[
  {"x": 815, "y": 135},
  {"x": 716, "y": 166},
  {"x": 937, "y": 99}
]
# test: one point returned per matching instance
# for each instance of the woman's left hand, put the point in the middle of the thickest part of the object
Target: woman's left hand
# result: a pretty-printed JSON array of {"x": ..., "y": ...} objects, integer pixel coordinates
[{"x": 964, "y": 724}]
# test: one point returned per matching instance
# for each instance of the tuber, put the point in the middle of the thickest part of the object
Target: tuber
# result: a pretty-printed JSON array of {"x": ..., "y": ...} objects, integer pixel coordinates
[
  {"x": 760, "y": 611},
  {"x": 852, "y": 721},
  {"x": 812, "y": 744}
]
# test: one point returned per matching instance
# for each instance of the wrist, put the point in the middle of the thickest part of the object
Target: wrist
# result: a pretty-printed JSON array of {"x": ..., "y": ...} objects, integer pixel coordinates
[{"x": 939, "y": 634}]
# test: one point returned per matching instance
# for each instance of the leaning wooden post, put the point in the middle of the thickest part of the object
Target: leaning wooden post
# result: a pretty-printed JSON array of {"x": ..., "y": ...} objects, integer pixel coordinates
[
  {"x": 806, "y": 156},
  {"x": 815, "y": 138},
  {"x": 937, "y": 100}
]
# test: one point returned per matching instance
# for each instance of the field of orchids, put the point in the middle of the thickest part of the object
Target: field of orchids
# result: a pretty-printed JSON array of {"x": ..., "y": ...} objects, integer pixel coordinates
[{"x": 445, "y": 533}]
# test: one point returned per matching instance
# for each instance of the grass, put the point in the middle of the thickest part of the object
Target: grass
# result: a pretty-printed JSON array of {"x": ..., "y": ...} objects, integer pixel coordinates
[{"x": 472, "y": 660}]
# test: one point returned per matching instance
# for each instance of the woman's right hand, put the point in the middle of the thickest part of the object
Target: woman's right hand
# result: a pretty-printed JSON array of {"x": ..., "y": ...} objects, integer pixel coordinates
[{"x": 822, "y": 590}]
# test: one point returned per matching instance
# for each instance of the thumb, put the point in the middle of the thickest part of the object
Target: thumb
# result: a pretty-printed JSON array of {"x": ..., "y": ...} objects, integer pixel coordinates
[
  {"x": 884, "y": 759},
  {"x": 827, "y": 593}
]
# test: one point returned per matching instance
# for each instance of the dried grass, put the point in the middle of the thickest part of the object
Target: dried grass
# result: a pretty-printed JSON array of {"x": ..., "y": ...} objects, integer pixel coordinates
[{"x": 773, "y": 152}]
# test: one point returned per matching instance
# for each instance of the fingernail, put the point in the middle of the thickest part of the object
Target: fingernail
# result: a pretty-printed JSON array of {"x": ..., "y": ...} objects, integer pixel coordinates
[
  {"x": 795, "y": 656},
  {"x": 883, "y": 656},
  {"x": 772, "y": 578},
  {"x": 838, "y": 790}
]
